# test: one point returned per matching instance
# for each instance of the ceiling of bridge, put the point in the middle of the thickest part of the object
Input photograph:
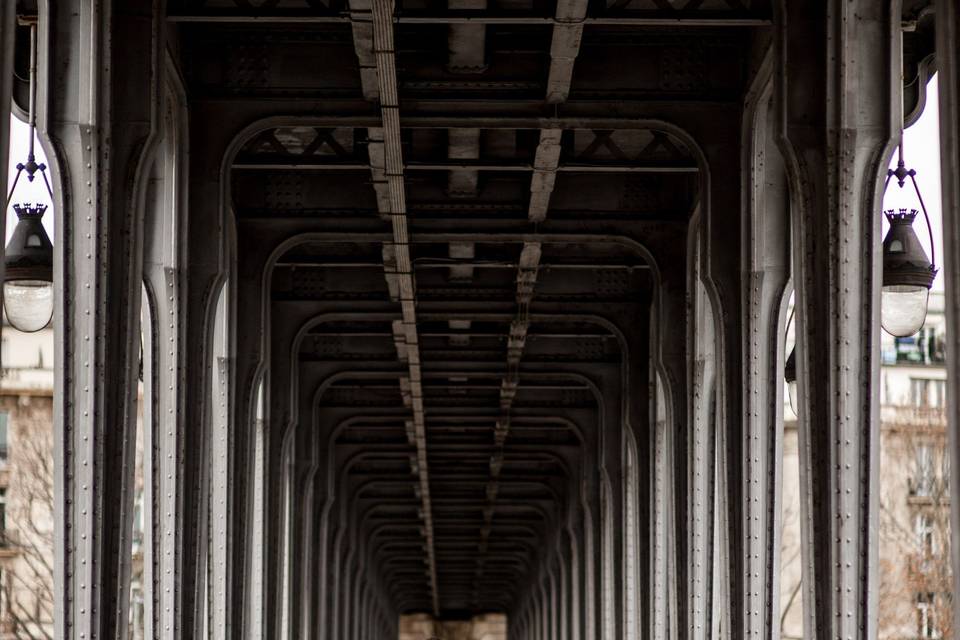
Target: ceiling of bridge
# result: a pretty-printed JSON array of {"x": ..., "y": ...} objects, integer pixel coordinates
[{"x": 480, "y": 177}]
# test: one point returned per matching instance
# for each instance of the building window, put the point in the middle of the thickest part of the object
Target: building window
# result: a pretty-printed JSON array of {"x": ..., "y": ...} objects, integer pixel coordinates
[
  {"x": 927, "y": 347},
  {"x": 926, "y": 393},
  {"x": 926, "y": 620},
  {"x": 909, "y": 349},
  {"x": 138, "y": 521},
  {"x": 3, "y": 436},
  {"x": 923, "y": 478},
  {"x": 3, "y": 517},
  {"x": 945, "y": 472},
  {"x": 925, "y": 535}
]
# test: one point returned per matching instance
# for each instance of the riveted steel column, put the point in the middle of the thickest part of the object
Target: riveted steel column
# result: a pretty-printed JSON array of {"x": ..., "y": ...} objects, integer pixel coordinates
[
  {"x": 948, "y": 64},
  {"x": 637, "y": 398},
  {"x": 838, "y": 78},
  {"x": 669, "y": 473},
  {"x": 755, "y": 536},
  {"x": 563, "y": 601},
  {"x": 576, "y": 572},
  {"x": 207, "y": 278},
  {"x": 303, "y": 470},
  {"x": 308, "y": 505},
  {"x": 725, "y": 552},
  {"x": 535, "y": 620},
  {"x": 246, "y": 556},
  {"x": 102, "y": 138},
  {"x": 285, "y": 436},
  {"x": 610, "y": 443},
  {"x": 8, "y": 24},
  {"x": 697, "y": 609},
  {"x": 221, "y": 449},
  {"x": 164, "y": 357},
  {"x": 592, "y": 543},
  {"x": 356, "y": 598},
  {"x": 553, "y": 602},
  {"x": 543, "y": 604}
]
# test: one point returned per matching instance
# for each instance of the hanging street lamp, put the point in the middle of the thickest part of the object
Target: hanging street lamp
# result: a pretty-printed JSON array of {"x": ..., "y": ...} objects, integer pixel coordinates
[
  {"x": 790, "y": 367},
  {"x": 907, "y": 272},
  {"x": 28, "y": 275},
  {"x": 28, "y": 260},
  {"x": 790, "y": 376}
]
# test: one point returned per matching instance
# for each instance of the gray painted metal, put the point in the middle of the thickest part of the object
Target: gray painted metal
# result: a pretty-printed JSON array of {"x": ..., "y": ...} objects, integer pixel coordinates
[
  {"x": 948, "y": 65},
  {"x": 465, "y": 295},
  {"x": 835, "y": 192}
]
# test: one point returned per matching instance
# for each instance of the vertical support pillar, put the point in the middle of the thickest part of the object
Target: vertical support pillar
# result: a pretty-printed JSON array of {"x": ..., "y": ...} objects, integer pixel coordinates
[
  {"x": 610, "y": 514},
  {"x": 669, "y": 548},
  {"x": 563, "y": 606},
  {"x": 838, "y": 77},
  {"x": 206, "y": 275},
  {"x": 948, "y": 64},
  {"x": 766, "y": 237},
  {"x": 220, "y": 442},
  {"x": 591, "y": 508},
  {"x": 700, "y": 455},
  {"x": 103, "y": 139},
  {"x": 165, "y": 401},
  {"x": 281, "y": 476},
  {"x": 576, "y": 573},
  {"x": 249, "y": 584},
  {"x": 554, "y": 602},
  {"x": 8, "y": 25},
  {"x": 542, "y": 606},
  {"x": 718, "y": 385},
  {"x": 307, "y": 540},
  {"x": 638, "y": 488},
  {"x": 661, "y": 537}
]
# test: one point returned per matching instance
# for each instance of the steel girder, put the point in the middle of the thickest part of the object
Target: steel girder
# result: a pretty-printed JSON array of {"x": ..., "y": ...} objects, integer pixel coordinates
[{"x": 490, "y": 271}]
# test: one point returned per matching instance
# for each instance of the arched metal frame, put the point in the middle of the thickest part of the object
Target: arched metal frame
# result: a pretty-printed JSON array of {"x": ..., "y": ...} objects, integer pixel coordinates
[{"x": 710, "y": 387}]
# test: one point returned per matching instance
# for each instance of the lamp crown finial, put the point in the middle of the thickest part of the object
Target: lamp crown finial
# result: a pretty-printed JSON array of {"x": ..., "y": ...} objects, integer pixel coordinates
[
  {"x": 27, "y": 210},
  {"x": 902, "y": 215}
]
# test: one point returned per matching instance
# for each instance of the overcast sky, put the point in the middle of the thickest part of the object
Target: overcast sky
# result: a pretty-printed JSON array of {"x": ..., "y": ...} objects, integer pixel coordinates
[
  {"x": 27, "y": 192},
  {"x": 921, "y": 149}
]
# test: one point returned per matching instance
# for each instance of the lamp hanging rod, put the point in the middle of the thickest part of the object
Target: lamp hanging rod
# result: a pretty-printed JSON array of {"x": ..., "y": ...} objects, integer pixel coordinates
[{"x": 901, "y": 173}]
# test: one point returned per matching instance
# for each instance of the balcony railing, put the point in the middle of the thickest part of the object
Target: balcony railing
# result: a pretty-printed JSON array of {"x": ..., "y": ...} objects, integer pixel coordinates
[
  {"x": 911, "y": 416},
  {"x": 928, "y": 488}
]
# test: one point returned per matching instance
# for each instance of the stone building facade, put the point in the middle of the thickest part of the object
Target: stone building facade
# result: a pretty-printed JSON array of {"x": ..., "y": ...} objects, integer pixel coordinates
[
  {"x": 27, "y": 464},
  {"x": 27, "y": 476}
]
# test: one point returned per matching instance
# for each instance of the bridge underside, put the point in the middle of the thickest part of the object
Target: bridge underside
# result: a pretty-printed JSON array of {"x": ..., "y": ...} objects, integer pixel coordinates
[{"x": 470, "y": 307}]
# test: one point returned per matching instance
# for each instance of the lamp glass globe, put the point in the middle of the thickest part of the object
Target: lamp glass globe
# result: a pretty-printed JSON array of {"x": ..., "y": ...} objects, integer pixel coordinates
[
  {"x": 903, "y": 308},
  {"x": 28, "y": 304}
]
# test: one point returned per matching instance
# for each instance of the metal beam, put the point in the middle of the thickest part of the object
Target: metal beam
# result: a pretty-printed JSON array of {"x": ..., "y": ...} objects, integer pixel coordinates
[
  {"x": 547, "y": 158},
  {"x": 545, "y": 163},
  {"x": 453, "y": 167},
  {"x": 564, "y": 48},
  {"x": 631, "y": 19},
  {"x": 397, "y": 263}
]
